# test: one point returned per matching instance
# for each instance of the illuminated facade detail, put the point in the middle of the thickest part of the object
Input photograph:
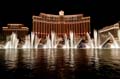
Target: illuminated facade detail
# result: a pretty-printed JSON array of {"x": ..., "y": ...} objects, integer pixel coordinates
[
  {"x": 61, "y": 13},
  {"x": 113, "y": 29},
  {"x": 19, "y": 29},
  {"x": 61, "y": 24}
]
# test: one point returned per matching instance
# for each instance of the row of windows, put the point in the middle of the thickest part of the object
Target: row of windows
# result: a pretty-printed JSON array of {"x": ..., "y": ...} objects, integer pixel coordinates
[
  {"x": 44, "y": 28},
  {"x": 62, "y": 22},
  {"x": 75, "y": 19}
]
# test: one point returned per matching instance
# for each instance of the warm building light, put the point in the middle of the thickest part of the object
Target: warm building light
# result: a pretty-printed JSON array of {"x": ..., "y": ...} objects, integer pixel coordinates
[
  {"x": 61, "y": 13},
  {"x": 19, "y": 29},
  {"x": 45, "y": 23},
  {"x": 14, "y": 24}
]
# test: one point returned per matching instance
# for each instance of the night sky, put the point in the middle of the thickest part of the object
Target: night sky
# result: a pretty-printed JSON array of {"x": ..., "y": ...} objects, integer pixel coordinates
[{"x": 102, "y": 12}]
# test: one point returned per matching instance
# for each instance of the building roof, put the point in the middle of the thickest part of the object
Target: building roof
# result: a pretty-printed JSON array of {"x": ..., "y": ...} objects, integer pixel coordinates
[
  {"x": 107, "y": 28},
  {"x": 61, "y": 12},
  {"x": 14, "y": 24}
]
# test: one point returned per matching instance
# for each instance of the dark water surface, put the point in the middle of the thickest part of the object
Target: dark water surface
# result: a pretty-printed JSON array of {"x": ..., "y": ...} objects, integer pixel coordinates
[{"x": 60, "y": 64}]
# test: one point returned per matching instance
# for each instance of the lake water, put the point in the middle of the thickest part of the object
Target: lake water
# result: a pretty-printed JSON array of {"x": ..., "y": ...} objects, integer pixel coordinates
[{"x": 60, "y": 64}]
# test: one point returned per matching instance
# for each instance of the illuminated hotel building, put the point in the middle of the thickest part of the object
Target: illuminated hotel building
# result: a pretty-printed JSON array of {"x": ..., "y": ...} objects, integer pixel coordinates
[
  {"x": 61, "y": 24},
  {"x": 19, "y": 29},
  {"x": 113, "y": 29}
]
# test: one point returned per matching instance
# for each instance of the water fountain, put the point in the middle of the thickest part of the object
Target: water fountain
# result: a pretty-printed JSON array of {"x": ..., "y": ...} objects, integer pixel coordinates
[
  {"x": 66, "y": 45},
  {"x": 118, "y": 35},
  {"x": 102, "y": 45},
  {"x": 90, "y": 42},
  {"x": 31, "y": 41},
  {"x": 71, "y": 39},
  {"x": 36, "y": 41},
  {"x": 48, "y": 43},
  {"x": 53, "y": 40},
  {"x": 95, "y": 39},
  {"x": 12, "y": 42},
  {"x": 114, "y": 44},
  {"x": 72, "y": 42},
  {"x": 51, "y": 43}
]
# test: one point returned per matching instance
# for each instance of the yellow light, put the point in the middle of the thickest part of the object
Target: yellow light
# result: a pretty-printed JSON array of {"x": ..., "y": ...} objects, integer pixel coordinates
[{"x": 61, "y": 12}]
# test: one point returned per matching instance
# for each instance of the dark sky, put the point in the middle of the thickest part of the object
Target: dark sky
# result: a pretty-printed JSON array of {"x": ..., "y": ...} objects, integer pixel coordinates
[
  {"x": 15, "y": 11},
  {"x": 102, "y": 12}
]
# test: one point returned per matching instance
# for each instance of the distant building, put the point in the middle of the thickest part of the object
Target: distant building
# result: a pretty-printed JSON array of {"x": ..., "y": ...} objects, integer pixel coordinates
[
  {"x": 19, "y": 29},
  {"x": 113, "y": 29},
  {"x": 61, "y": 24}
]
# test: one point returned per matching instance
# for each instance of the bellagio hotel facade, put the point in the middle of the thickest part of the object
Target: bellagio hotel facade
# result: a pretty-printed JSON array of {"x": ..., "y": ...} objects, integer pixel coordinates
[{"x": 61, "y": 24}]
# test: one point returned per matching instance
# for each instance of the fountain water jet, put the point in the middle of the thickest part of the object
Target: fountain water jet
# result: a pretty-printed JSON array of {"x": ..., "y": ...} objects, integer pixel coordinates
[
  {"x": 101, "y": 46},
  {"x": 66, "y": 45},
  {"x": 51, "y": 43},
  {"x": 31, "y": 41},
  {"x": 72, "y": 42},
  {"x": 48, "y": 43},
  {"x": 71, "y": 39},
  {"x": 36, "y": 41},
  {"x": 53, "y": 40},
  {"x": 95, "y": 39},
  {"x": 119, "y": 34},
  {"x": 114, "y": 44},
  {"x": 13, "y": 42},
  {"x": 90, "y": 42}
]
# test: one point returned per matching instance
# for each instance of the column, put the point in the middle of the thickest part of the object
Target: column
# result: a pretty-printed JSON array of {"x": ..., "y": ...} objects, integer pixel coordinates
[
  {"x": 55, "y": 27},
  {"x": 58, "y": 28},
  {"x": 87, "y": 27},
  {"x": 33, "y": 26},
  {"x": 63, "y": 29},
  {"x": 48, "y": 28},
  {"x": 67, "y": 28},
  {"x": 45, "y": 28},
  {"x": 37, "y": 26},
  {"x": 77, "y": 29},
  {"x": 40, "y": 29},
  {"x": 81, "y": 28}
]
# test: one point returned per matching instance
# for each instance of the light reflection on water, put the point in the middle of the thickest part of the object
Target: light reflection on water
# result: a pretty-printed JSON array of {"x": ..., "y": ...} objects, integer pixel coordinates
[
  {"x": 29, "y": 57},
  {"x": 51, "y": 59},
  {"x": 69, "y": 58},
  {"x": 11, "y": 58},
  {"x": 61, "y": 63}
]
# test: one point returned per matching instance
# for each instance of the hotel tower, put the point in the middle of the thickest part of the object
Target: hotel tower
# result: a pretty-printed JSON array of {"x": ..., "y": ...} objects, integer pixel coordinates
[{"x": 61, "y": 24}]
